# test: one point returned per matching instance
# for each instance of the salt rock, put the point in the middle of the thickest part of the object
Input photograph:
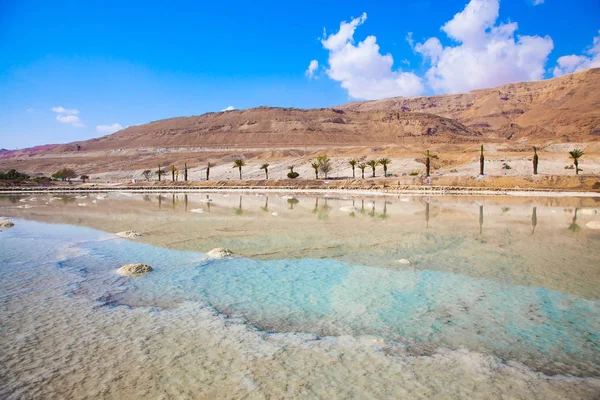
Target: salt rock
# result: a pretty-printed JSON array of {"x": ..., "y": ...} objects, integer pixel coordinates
[
  {"x": 349, "y": 209},
  {"x": 133, "y": 270},
  {"x": 82, "y": 204},
  {"x": 24, "y": 206},
  {"x": 219, "y": 252},
  {"x": 129, "y": 234},
  {"x": 197, "y": 210},
  {"x": 593, "y": 224},
  {"x": 403, "y": 261},
  {"x": 6, "y": 223}
]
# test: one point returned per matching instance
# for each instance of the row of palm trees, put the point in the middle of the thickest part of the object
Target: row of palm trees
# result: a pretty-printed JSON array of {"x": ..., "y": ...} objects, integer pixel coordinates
[{"x": 324, "y": 166}]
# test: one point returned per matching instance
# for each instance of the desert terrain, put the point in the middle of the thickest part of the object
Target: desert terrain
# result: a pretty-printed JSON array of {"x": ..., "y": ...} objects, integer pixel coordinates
[{"x": 555, "y": 115}]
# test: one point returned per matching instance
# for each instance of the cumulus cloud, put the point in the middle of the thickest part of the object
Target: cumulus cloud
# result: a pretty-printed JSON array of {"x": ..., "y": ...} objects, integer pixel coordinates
[
  {"x": 62, "y": 110},
  {"x": 362, "y": 70},
  {"x": 572, "y": 63},
  {"x": 70, "y": 119},
  {"x": 487, "y": 54},
  {"x": 230, "y": 108},
  {"x": 483, "y": 53},
  {"x": 312, "y": 67},
  {"x": 108, "y": 129}
]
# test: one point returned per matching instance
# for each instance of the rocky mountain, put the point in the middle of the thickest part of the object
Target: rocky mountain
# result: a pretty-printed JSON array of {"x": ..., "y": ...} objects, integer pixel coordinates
[{"x": 566, "y": 108}]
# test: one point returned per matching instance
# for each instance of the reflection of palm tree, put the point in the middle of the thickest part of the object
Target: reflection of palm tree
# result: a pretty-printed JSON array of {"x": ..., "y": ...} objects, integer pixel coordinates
[
  {"x": 362, "y": 207},
  {"x": 239, "y": 210},
  {"x": 383, "y": 216},
  {"x": 292, "y": 202},
  {"x": 480, "y": 219},
  {"x": 574, "y": 227},
  {"x": 266, "y": 207},
  {"x": 533, "y": 219},
  {"x": 172, "y": 201},
  {"x": 159, "y": 201},
  {"x": 323, "y": 214},
  {"x": 372, "y": 212},
  {"x": 316, "y": 209},
  {"x": 427, "y": 215}
]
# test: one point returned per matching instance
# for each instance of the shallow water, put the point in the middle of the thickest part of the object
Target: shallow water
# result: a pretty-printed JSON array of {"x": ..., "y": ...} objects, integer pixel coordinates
[{"x": 492, "y": 283}]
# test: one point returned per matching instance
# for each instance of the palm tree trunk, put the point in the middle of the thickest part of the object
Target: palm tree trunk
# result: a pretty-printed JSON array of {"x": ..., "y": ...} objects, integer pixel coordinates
[
  {"x": 173, "y": 176},
  {"x": 384, "y": 171},
  {"x": 363, "y": 174},
  {"x": 316, "y": 174},
  {"x": 240, "y": 168},
  {"x": 353, "y": 173},
  {"x": 267, "y": 173},
  {"x": 207, "y": 173},
  {"x": 576, "y": 167},
  {"x": 427, "y": 166},
  {"x": 373, "y": 172}
]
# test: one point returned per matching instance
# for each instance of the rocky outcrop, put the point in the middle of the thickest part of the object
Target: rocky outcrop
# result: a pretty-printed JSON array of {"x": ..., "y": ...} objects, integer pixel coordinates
[{"x": 133, "y": 270}]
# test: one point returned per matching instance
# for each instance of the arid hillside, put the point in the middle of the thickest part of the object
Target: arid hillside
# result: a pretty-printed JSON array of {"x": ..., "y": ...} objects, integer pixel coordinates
[
  {"x": 565, "y": 108},
  {"x": 555, "y": 115}
]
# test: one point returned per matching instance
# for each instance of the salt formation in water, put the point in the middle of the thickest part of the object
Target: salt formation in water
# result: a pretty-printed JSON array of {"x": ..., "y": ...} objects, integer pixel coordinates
[
  {"x": 133, "y": 270},
  {"x": 404, "y": 261},
  {"x": 129, "y": 234},
  {"x": 220, "y": 252},
  {"x": 197, "y": 210},
  {"x": 6, "y": 223},
  {"x": 593, "y": 224}
]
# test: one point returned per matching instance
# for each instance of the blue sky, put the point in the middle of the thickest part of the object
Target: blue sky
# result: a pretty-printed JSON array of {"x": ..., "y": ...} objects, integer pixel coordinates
[{"x": 112, "y": 63}]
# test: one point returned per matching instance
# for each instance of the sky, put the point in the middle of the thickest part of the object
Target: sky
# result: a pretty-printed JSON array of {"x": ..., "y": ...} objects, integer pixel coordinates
[{"x": 75, "y": 70}]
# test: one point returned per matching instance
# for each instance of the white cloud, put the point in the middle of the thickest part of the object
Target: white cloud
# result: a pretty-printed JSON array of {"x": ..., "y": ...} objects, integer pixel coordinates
[
  {"x": 312, "y": 67},
  {"x": 486, "y": 55},
  {"x": 61, "y": 110},
  {"x": 230, "y": 108},
  {"x": 29, "y": 110},
  {"x": 70, "y": 119},
  {"x": 108, "y": 129},
  {"x": 538, "y": 2},
  {"x": 362, "y": 70},
  {"x": 572, "y": 63}
]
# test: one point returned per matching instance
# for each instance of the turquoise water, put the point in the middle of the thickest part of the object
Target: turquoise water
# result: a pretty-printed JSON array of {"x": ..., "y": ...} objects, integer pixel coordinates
[{"x": 421, "y": 309}]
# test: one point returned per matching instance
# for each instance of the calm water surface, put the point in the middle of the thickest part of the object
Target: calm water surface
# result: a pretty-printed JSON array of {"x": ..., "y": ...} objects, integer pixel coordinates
[{"x": 515, "y": 279}]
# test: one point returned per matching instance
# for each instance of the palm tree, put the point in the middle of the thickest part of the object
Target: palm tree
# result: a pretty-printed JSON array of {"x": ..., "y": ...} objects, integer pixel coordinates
[
  {"x": 185, "y": 172},
  {"x": 159, "y": 172},
  {"x": 84, "y": 178},
  {"x": 362, "y": 167},
  {"x": 353, "y": 163},
  {"x": 427, "y": 163},
  {"x": 481, "y": 161},
  {"x": 208, "y": 166},
  {"x": 536, "y": 159},
  {"x": 576, "y": 155},
  {"x": 324, "y": 165},
  {"x": 373, "y": 164},
  {"x": 291, "y": 168},
  {"x": 315, "y": 166},
  {"x": 385, "y": 162},
  {"x": 265, "y": 166},
  {"x": 173, "y": 169},
  {"x": 239, "y": 164}
]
